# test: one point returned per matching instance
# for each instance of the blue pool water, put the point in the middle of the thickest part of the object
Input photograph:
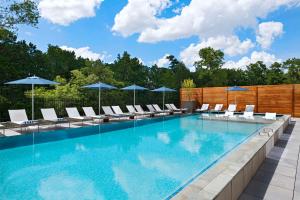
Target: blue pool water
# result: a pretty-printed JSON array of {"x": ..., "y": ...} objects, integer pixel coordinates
[{"x": 147, "y": 159}]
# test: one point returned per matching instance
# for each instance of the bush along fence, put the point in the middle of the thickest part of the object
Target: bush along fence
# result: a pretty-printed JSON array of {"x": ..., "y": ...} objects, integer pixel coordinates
[{"x": 283, "y": 99}]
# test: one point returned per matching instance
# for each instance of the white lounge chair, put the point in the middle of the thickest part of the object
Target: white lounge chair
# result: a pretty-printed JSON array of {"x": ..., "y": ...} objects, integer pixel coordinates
[
  {"x": 229, "y": 114},
  {"x": 89, "y": 112},
  {"x": 174, "y": 108},
  {"x": 270, "y": 116},
  {"x": 73, "y": 114},
  {"x": 249, "y": 108},
  {"x": 151, "y": 109},
  {"x": 139, "y": 109},
  {"x": 132, "y": 110},
  {"x": 231, "y": 108},
  {"x": 110, "y": 113},
  {"x": 218, "y": 108},
  {"x": 119, "y": 111},
  {"x": 247, "y": 115},
  {"x": 169, "y": 107},
  {"x": 157, "y": 108},
  {"x": 49, "y": 115},
  {"x": 19, "y": 117},
  {"x": 203, "y": 108}
]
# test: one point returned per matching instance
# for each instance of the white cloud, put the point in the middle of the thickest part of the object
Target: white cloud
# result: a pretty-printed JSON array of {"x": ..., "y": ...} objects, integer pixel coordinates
[
  {"x": 263, "y": 56},
  {"x": 138, "y": 15},
  {"x": 163, "y": 62},
  {"x": 201, "y": 18},
  {"x": 267, "y": 32},
  {"x": 64, "y": 12},
  {"x": 85, "y": 52},
  {"x": 230, "y": 45}
]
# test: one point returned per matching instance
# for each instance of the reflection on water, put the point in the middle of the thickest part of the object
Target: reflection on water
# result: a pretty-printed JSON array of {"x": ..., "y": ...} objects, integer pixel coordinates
[{"x": 144, "y": 162}]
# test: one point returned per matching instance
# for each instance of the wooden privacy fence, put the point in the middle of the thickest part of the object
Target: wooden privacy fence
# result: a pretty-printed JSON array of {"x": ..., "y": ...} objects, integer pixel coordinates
[{"x": 283, "y": 99}]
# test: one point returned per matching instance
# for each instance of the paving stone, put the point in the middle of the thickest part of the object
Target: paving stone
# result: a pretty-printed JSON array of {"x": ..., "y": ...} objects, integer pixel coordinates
[
  {"x": 277, "y": 193},
  {"x": 248, "y": 197}
]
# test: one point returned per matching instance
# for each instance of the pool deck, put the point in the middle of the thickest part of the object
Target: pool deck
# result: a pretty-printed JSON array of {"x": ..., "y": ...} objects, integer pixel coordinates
[{"x": 279, "y": 175}]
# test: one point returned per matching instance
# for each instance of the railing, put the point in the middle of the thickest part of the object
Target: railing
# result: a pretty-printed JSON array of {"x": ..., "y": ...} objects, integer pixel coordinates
[{"x": 59, "y": 105}]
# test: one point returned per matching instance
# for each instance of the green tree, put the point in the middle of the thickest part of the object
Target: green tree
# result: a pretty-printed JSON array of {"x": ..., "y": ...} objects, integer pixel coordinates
[
  {"x": 293, "y": 68},
  {"x": 210, "y": 59},
  {"x": 179, "y": 69},
  {"x": 209, "y": 70},
  {"x": 129, "y": 70},
  {"x": 257, "y": 73},
  {"x": 13, "y": 13},
  {"x": 275, "y": 74},
  {"x": 62, "y": 62}
]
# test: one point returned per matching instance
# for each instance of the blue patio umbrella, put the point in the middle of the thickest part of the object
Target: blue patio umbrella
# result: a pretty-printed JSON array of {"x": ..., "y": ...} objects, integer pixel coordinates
[
  {"x": 134, "y": 88},
  {"x": 163, "y": 90},
  {"x": 236, "y": 88},
  {"x": 32, "y": 80},
  {"x": 100, "y": 86}
]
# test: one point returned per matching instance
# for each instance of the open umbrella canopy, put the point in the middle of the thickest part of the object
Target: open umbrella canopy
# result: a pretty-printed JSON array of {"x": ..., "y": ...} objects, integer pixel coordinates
[
  {"x": 33, "y": 80},
  {"x": 163, "y": 89},
  {"x": 236, "y": 88},
  {"x": 134, "y": 87},
  {"x": 101, "y": 86}
]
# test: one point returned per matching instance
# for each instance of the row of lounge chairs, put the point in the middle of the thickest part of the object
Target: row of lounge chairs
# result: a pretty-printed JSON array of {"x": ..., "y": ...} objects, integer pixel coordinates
[
  {"x": 230, "y": 112},
  {"x": 19, "y": 117}
]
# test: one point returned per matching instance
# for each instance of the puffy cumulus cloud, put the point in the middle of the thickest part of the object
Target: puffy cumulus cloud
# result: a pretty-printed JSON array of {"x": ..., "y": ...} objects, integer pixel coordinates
[
  {"x": 201, "y": 18},
  {"x": 230, "y": 45},
  {"x": 138, "y": 15},
  {"x": 263, "y": 56},
  {"x": 163, "y": 62},
  {"x": 85, "y": 52},
  {"x": 67, "y": 11},
  {"x": 267, "y": 32}
]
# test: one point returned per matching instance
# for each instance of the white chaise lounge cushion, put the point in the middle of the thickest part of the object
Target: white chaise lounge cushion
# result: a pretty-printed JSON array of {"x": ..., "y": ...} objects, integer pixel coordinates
[
  {"x": 247, "y": 115},
  {"x": 49, "y": 114},
  {"x": 175, "y": 108},
  {"x": 73, "y": 113},
  {"x": 140, "y": 109},
  {"x": 204, "y": 107},
  {"x": 232, "y": 107},
  {"x": 249, "y": 108},
  {"x": 270, "y": 116},
  {"x": 218, "y": 107},
  {"x": 89, "y": 112},
  {"x": 19, "y": 117}
]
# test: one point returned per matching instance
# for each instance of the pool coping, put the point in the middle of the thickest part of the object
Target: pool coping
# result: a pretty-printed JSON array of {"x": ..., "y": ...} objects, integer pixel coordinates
[{"x": 228, "y": 177}]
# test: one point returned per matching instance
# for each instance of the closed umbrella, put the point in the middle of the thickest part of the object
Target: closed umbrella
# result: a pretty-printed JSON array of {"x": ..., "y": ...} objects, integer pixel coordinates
[
  {"x": 163, "y": 90},
  {"x": 32, "y": 80},
  {"x": 134, "y": 88},
  {"x": 236, "y": 88},
  {"x": 100, "y": 86}
]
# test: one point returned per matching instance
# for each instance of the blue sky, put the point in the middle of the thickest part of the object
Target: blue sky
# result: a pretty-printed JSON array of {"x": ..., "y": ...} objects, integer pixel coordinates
[{"x": 151, "y": 29}]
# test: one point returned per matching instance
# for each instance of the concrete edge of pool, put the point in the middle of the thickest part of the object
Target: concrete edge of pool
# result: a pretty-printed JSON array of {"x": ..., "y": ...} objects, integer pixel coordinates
[{"x": 229, "y": 177}]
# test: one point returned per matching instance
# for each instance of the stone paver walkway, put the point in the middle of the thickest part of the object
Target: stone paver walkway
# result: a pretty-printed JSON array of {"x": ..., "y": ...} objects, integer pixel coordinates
[{"x": 279, "y": 175}]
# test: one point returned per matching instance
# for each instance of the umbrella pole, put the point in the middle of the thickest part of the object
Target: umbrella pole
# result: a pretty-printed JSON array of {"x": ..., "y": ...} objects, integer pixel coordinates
[
  {"x": 99, "y": 101},
  {"x": 164, "y": 101},
  {"x": 32, "y": 101},
  {"x": 134, "y": 97}
]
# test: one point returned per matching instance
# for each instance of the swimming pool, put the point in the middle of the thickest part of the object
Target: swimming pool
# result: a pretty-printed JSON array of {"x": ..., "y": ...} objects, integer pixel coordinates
[{"x": 143, "y": 159}]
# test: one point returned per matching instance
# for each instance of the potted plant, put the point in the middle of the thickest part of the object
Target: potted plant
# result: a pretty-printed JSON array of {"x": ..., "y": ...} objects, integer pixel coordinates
[{"x": 189, "y": 102}]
